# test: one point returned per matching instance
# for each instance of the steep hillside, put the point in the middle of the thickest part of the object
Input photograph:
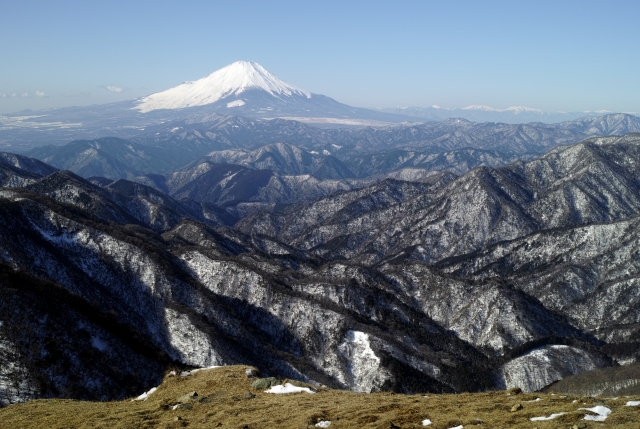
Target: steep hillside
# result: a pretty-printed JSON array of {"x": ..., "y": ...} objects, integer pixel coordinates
[
  {"x": 242, "y": 190},
  {"x": 106, "y": 157},
  {"x": 217, "y": 301},
  {"x": 620, "y": 380},
  {"x": 455, "y": 161},
  {"x": 17, "y": 170},
  {"x": 285, "y": 159},
  {"x": 594, "y": 181}
]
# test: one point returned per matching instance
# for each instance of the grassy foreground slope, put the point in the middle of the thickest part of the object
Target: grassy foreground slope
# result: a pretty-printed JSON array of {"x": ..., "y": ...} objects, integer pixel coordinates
[{"x": 223, "y": 401}]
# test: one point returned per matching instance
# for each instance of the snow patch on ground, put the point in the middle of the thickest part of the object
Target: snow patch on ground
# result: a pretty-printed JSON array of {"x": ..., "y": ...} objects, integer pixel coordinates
[
  {"x": 288, "y": 388},
  {"x": 236, "y": 103},
  {"x": 550, "y": 417},
  {"x": 633, "y": 403},
  {"x": 99, "y": 344},
  {"x": 601, "y": 411},
  {"x": 145, "y": 395},
  {"x": 426, "y": 422},
  {"x": 323, "y": 424}
]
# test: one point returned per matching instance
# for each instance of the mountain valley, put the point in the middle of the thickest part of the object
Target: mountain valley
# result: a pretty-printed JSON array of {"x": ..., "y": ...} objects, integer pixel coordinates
[
  {"x": 509, "y": 276},
  {"x": 198, "y": 227}
]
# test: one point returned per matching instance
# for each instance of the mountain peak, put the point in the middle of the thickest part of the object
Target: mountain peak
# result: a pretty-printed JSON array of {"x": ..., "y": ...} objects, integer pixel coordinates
[
  {"x": 476, "y": 107},
  {"x": 229, "y": 81}
]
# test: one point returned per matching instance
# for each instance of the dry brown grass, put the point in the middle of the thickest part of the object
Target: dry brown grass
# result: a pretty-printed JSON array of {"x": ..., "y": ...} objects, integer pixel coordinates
[{"x": 221, "y": 404}]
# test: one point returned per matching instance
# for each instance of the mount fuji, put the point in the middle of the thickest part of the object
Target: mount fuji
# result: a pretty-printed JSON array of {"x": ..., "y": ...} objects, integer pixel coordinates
[
  {"x": 248, "y": 89},
  {"x": 225, "y": 86}
]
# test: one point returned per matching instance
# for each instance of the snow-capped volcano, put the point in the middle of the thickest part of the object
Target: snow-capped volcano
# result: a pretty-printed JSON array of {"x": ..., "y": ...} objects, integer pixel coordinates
[
  {"x": 227, "y": 83},
  {"x": 248, "y": 89}
]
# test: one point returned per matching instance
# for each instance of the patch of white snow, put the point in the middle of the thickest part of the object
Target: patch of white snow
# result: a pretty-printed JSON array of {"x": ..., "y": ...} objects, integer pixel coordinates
[
  {"x": 363, "y": 364},
  {"x": 551, "y": 417},
  {"x": 323, "y": 424},
  {"x": 601, "y": 411},
  {"x": 99, "y": 344},
  {"x": 193, "y": 371},
  {"x": 236, "y": 103},
  {"x": 288, "y": 388},
  {"x": 145, "y": 395}
]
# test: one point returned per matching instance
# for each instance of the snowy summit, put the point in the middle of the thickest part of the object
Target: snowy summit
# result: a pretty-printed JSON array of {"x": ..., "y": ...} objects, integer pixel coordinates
[{"x": 227, "y": 83}]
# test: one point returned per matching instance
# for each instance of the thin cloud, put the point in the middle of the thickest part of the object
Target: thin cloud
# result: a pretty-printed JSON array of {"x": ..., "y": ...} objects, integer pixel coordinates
[
  {"x": 15, "y": 95},
  {"x": 114, "y": 88},
  {"x": 41, "y": 94}
]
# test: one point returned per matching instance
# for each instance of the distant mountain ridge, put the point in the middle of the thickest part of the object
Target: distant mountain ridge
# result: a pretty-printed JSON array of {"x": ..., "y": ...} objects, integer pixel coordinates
[
  {"x": 292, "y": 148},
  {"x": 510, "y": 115}
]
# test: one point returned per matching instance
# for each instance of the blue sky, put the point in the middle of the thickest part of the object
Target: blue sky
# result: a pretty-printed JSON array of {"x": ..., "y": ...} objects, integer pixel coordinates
[{"x": 555, "y": 55}]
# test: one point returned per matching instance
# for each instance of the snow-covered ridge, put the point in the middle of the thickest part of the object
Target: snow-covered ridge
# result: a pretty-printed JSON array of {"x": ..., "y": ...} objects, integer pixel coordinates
[
  {"x": 231, "y": 80},
  {"x": 515, "y": 109}
]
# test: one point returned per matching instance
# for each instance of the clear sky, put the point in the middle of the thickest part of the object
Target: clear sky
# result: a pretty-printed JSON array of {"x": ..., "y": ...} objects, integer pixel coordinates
[{"x": 551, "y": 55}]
